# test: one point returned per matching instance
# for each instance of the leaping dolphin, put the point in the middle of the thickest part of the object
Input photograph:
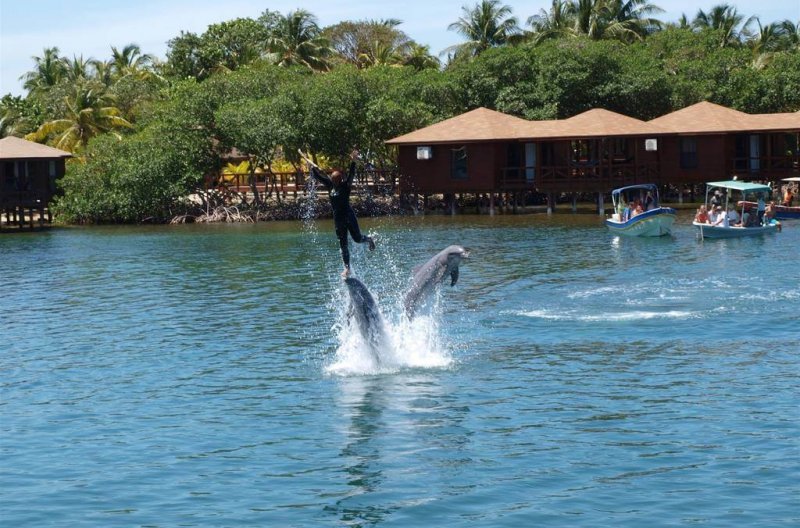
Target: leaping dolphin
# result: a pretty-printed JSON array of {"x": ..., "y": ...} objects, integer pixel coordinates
[
  {"x": 430, "y": 274},
  {"x": 368, "y": 316}
]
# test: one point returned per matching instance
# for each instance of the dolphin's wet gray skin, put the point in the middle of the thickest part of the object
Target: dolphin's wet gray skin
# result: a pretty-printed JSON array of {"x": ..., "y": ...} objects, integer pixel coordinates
[
  {"x": 429, "y": 275},
  {"x": 368, "y": 316}
]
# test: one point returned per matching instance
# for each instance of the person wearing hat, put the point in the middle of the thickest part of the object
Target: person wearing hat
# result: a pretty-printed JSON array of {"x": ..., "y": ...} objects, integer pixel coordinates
[{"x": 344, "y": 218}]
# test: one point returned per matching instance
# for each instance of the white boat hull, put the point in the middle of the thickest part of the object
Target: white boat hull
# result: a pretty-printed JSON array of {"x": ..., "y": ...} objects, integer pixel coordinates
[
  {"x": 709, "y": 231},
  {"x": 654, "y": 223}
]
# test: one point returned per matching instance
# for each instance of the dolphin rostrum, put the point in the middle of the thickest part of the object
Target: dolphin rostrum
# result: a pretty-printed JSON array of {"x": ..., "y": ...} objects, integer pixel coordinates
[
  {"x": 368, "y": 316},
  {"x": 430, "y": 274}
]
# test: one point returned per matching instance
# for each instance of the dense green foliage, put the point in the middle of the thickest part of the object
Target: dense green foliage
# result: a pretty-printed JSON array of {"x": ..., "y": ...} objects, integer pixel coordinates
[{"x": 146, "y": 134}]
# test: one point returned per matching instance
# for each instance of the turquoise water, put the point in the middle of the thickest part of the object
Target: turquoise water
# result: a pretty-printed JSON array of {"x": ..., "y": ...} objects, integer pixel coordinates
[{"x": 207, "y": 376}]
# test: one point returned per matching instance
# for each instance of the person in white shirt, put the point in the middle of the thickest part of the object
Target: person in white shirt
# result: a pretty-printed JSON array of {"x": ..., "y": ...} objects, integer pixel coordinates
[
  {"x": 713, "y": 214},
  {"x": 733, "y": 216}
]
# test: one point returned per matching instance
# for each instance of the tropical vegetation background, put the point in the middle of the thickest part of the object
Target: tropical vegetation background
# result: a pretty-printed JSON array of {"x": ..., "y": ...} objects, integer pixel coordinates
[{"x": 146, "y": 132}]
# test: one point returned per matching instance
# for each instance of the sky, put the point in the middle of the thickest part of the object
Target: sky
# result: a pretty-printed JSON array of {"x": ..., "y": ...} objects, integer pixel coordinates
[{"x": 91, "y": 27}]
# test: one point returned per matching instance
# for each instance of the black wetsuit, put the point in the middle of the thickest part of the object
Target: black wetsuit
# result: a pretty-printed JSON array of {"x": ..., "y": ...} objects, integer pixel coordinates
[{"x": 344, "y": 218}]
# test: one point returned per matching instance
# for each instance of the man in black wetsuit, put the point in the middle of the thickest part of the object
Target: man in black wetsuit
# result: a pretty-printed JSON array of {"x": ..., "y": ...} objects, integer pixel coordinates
[{"x": 344, "y": 218}]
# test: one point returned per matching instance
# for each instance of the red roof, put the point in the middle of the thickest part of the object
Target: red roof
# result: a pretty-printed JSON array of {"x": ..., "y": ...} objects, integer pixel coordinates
[
  {"x": 480, "y": 124},
  {"x": 483, "y": 124},
  {"x": 710, "y": 118},
  {"x": 16, "y": 148}
]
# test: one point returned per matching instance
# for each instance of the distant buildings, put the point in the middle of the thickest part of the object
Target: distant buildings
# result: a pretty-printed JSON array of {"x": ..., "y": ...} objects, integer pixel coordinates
[{"x": 487, "y": 152}]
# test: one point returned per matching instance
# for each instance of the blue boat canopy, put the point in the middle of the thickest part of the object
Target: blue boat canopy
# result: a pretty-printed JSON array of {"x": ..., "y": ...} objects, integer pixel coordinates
[
  {"x": 645, "y": 186},
  {"x": 740, "y": 186}
]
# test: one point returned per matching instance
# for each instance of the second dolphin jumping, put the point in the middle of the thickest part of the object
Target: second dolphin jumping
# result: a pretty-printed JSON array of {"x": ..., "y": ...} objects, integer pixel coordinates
[{"x": 427, "y": 276}]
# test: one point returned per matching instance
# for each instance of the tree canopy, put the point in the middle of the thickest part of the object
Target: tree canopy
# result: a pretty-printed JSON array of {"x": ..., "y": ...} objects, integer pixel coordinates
[{"x": 146, "y": 133}]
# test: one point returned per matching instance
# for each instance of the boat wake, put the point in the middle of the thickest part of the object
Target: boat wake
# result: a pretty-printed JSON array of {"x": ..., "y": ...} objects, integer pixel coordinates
[{"x": 638, "y": 315}]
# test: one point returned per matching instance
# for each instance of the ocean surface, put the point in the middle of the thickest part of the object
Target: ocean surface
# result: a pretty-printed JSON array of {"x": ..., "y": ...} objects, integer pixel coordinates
[{"x": 210, "y": 376}]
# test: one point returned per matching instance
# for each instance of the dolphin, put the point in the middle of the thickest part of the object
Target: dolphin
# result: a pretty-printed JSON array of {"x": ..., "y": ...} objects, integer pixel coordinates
[
  {"x": 430, "y": 274},
  {"x": 367, "y": 315}
]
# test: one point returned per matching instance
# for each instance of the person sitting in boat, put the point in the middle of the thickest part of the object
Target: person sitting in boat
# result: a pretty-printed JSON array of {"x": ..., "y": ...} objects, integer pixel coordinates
[
  {"x": 637, "y": 210},
  {"x": 746, "y": 220},
  {"x": 649, "y": 201},
  {"x": 721, "y": 219},
  {"x": 713, "y": 214},
  {"x": 733, "y": 215},
  {"x": 769, "y": 213},
  {"x": 627, "y": 213},
  {"x": 701, "y": 217},
  {"x": 788, "y": 197},
  {"x": 621, "y": 210}
]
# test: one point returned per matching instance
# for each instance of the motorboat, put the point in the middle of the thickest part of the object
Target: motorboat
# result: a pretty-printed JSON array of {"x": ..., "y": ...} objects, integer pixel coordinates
[
  {"x": 724, "y": 229},
  {"x": 652, "y": 221},
  {"x": 782, "y": 212}
]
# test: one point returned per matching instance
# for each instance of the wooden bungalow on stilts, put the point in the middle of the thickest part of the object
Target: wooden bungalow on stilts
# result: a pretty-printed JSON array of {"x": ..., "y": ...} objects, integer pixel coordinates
[
  {"x": 496, "y": 155},
  {"x": 28, "y": 174}
]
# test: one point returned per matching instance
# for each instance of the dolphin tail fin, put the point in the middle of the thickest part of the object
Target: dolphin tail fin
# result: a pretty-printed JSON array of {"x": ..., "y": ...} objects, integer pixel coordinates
[{"x": 453, "y": 277}]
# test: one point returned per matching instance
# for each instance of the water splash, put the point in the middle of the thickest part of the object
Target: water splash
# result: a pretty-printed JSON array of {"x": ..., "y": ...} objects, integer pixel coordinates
[{"x": 417, "y": 343}]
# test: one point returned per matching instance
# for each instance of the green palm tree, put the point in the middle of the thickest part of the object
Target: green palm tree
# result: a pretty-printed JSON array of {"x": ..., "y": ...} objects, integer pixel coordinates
[
  {"x": 48, "y": 70},
  {"x": 558, "y": 22},
  {"x": 380, "y": 54},
  {"x": 790, "y": 35},
  {"x": 486, "y": 25},
  {"x": 419, "y": 57},
  {"x": 130, "y": 60},
  {"x": 627, "y": 21},
  {"x": 296, "y": 40},
  {"x": 631, "y": 20},
  {"x": 78, "y": 68},
  {"x": 767, "y": 38},
  {"x": 727, "y": 21},
  {"x": 103, "y": 72},
  {"x": 90, "y": 111}
]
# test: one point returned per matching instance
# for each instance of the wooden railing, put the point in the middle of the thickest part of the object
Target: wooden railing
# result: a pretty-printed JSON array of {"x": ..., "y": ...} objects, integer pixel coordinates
[
  {"x": 577, "y": 177},
  {"x": 21, "y": 199},
  {"x": 767, "y": 164},
  {"x": 296, "y": 183}
]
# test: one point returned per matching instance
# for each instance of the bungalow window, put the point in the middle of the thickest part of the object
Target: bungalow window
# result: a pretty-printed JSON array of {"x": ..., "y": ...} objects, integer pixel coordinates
[
  {"x": 548, "y": 154},
  {"x": 51, "y": 176},
  {"x": 688, "y": 153},
  {"x": 9, "y": 175},
  {"x": 458, "y": 163},
  {"x": 791, "y": 142},
  {"x": 514, "y": 160},
  {"x": 619, "y": 152},
  {"x": 584, "y": 152}
]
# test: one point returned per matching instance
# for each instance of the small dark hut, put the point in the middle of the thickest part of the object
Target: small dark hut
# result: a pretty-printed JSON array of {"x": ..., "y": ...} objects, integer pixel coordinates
[{"x": 28, "y": 174}]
